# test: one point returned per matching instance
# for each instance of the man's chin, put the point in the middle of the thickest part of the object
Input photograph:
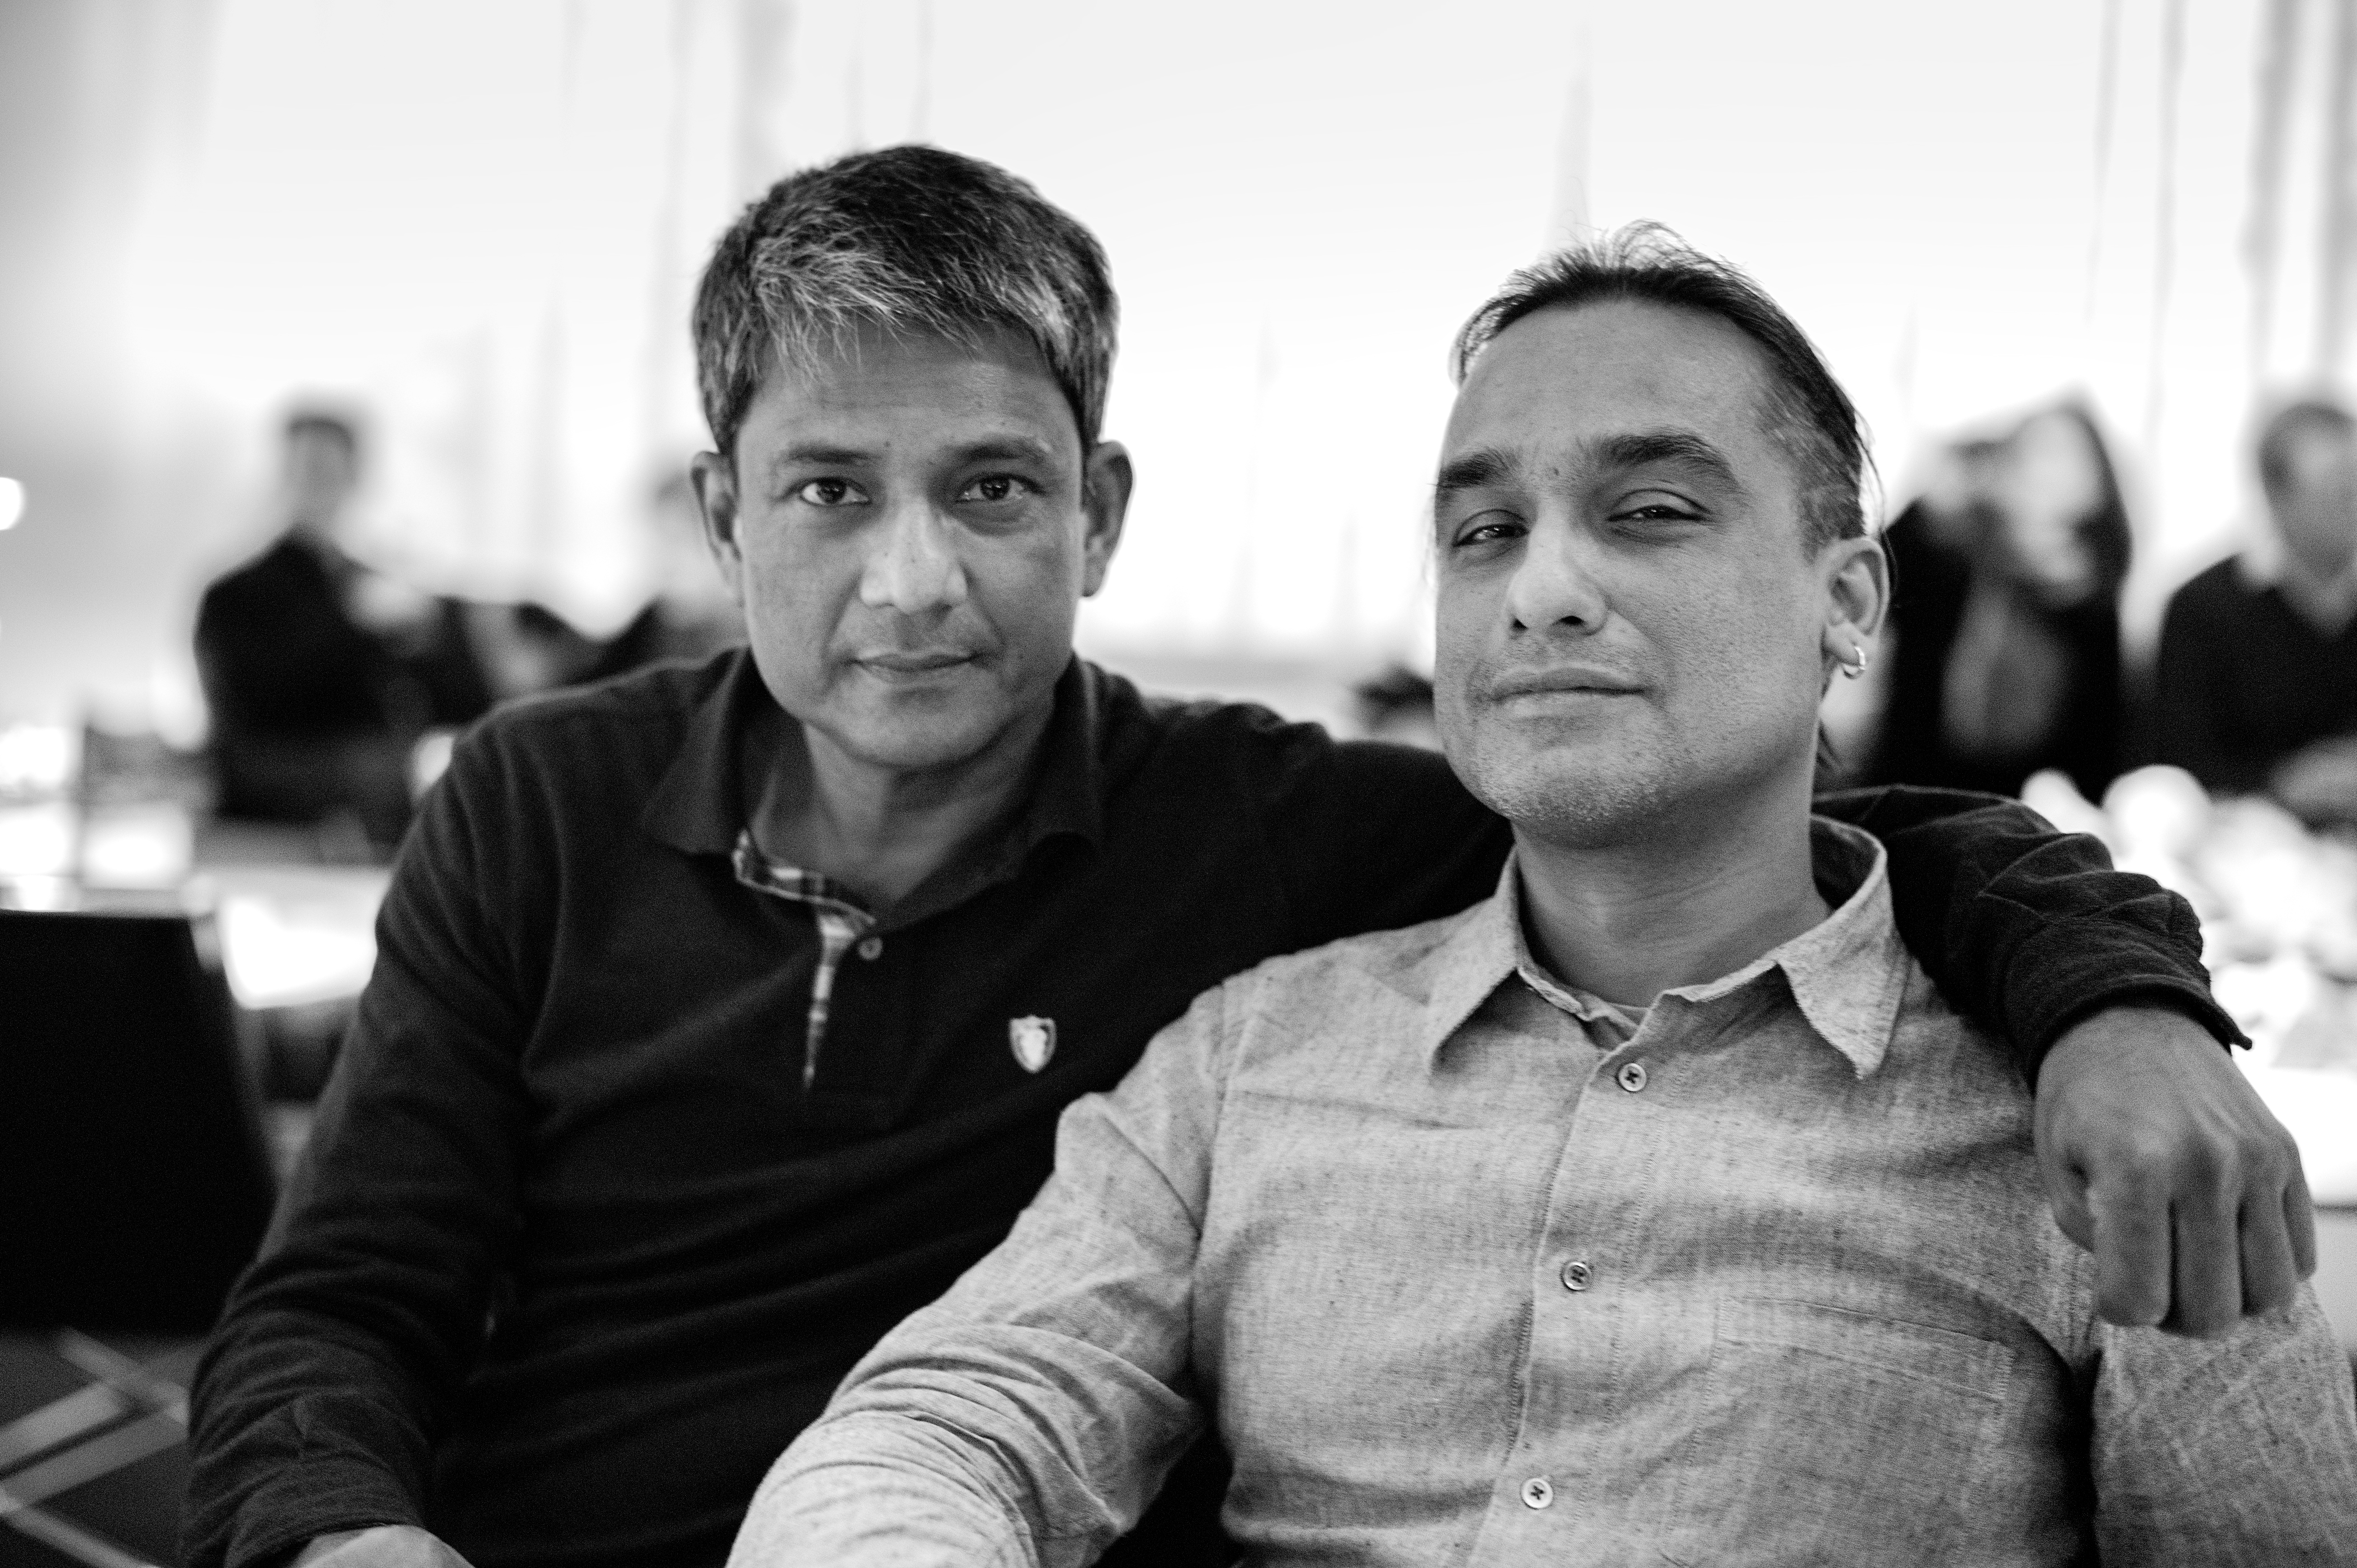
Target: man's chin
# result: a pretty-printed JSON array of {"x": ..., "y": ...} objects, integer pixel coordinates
[
  {"x": 1590, "y": 794},
  {"x": 920, "y": 731}
]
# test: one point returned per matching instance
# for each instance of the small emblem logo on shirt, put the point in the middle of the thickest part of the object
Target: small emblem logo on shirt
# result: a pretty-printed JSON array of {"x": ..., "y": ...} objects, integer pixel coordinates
[{"x": 1033, "y": 1040}]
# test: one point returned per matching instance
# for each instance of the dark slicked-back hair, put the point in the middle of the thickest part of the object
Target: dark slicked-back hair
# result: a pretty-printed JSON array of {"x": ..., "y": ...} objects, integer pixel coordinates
[
  {"x": 1808, "y": 414},
  {"x": 916, "y": 242},
  {"x": 2308, "y": 416}
]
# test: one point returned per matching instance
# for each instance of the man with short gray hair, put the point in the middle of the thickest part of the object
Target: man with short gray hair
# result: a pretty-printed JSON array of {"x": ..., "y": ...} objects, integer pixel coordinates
[{"x": 723, "y": 1015}]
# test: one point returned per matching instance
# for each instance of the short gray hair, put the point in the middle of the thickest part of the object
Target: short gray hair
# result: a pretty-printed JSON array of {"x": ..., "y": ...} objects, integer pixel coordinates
[{"x": 913, "y": 239}]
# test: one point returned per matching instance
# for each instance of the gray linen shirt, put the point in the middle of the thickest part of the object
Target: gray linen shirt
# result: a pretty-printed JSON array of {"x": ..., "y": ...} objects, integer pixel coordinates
[{"x": 1470, "y": 1272}]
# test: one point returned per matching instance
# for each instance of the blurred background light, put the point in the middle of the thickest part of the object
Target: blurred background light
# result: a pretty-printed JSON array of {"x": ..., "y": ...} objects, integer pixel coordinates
[
  {"x": 12, "y": 502},
  {"x": 291, "y": 936}
]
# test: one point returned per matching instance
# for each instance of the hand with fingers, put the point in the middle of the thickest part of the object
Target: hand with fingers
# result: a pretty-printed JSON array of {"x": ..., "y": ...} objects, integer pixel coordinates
[
  {"x": 379, "y": 1546},
  {"x": 2160, "y": 1159}
]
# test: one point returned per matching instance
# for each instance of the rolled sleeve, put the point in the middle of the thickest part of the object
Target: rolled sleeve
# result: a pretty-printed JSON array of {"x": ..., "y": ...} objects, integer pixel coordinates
[
  {"x": 2236, "y": 1450},
  {"x": 1029, "y": 1416}
]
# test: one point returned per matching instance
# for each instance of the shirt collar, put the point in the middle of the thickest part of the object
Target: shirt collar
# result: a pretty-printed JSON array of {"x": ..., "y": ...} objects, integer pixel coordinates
[
  {"x": 1847, "y": 974},
  {"x": 698, "y": 806}
]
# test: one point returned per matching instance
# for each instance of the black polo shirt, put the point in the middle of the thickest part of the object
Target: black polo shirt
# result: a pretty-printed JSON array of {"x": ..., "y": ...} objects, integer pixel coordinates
[{"x": 573, "y": 1252}]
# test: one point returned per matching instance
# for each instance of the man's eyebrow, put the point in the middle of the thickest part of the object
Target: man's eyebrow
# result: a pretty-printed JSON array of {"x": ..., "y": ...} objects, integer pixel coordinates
[
  {"x": 988, "y": 448},
  {"x": 825, "y": 455},
  {"x": 1476, "y": 470},
  {"x": 1006, "y": 449},
  {"x": 1640, "y": 447}
]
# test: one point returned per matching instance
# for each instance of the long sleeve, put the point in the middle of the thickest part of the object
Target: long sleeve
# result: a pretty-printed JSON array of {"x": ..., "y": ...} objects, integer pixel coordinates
[
  {"x": 321, "y": 1391},
  {"x": 2222, "y": 1452},
  {"x": 2025, "y": 930},
  {"x": 1029, "y": 1416}
]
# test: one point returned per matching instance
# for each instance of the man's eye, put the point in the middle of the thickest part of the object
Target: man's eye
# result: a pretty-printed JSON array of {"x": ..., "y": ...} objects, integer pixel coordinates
[
  {"x": 829, "y": 492},
  {"x": 994, "y": 487},
  {"x": 1655, "y": 512},
  {"x": 1489, "y": 530}
]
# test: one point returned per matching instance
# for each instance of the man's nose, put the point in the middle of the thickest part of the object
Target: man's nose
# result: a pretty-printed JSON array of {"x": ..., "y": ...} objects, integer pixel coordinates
[
  {"x": 914, "y": 566},
  {"x": 1554, "y": 584}
]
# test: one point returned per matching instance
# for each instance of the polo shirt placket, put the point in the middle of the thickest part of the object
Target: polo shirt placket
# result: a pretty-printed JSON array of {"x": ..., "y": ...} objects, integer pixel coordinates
[{"x": 842, "y": 921}]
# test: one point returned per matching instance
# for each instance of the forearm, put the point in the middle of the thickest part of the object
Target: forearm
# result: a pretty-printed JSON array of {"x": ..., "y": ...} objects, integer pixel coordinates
[
  {"x": 875, "y": 1490},
  {"x": 2236, "y": 1450},
  {"x": 300, "y": 1422},
  {"x": 982, "y": 1430}
]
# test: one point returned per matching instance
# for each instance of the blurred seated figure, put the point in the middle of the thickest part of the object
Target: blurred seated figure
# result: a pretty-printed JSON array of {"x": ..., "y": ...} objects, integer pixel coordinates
[
  {"x": 2258, "y": 654},
  {"x": 322, "y": 673},
  {"x": 2007, "y": 615},
  {"x": 691, "y": 616}
]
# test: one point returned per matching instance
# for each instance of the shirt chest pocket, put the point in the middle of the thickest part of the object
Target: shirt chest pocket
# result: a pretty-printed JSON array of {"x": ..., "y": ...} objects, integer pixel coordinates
[{"x": 1832, "y": 1437}]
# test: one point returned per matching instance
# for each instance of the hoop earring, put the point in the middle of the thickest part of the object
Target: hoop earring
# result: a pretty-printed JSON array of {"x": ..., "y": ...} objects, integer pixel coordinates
[{"x": 1854, "y": 666}]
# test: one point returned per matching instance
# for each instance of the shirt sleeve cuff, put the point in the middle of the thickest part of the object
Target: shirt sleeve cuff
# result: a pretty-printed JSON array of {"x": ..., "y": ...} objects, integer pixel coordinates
[
  {"x": 275, "y": 1524},
  {"x": 2079, "y": 977}
]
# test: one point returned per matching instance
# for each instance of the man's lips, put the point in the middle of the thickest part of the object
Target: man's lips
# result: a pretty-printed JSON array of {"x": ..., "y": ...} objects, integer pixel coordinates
[
  {"x": 1564, "y": 679},
  {"x": 908, "y": 661}
]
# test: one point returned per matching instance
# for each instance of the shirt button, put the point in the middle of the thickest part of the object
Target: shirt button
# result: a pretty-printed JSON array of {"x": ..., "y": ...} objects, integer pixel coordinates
[
  {"x": 1537, "y": 1492},
  {"x": 1575, "y": 1276},
  {"x": 1631, "y": 1077},
  {"x": 871, "y": 948}
]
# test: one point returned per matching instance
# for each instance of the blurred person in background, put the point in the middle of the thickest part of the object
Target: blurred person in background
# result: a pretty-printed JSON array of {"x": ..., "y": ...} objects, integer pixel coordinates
[
  {"x": 321, "y": 673},
  {"x": 723, "y": 1015},
  {"x": 2008, "y": 574},
  {"x": 2257, "y": 686},
  {"x": 690, "y": 614}
]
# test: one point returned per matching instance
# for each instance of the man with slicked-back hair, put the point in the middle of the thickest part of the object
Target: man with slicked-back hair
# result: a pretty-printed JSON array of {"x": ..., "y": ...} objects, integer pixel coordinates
[{"x": 723, "y": 1015}]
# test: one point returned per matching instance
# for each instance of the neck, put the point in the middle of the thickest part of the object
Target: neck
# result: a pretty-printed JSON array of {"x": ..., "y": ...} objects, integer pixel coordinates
[
  {"x": 1676, "y": 902},
  {"x": 878, "y": 830}
]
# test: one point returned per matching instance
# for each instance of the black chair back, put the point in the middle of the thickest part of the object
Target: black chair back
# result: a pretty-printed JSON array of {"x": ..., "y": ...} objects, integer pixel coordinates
[{"x": 135, "y": 1180}]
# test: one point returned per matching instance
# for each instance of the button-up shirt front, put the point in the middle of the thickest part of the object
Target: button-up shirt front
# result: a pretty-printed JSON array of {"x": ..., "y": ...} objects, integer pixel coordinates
[{"x": 1468, "y": 1269}]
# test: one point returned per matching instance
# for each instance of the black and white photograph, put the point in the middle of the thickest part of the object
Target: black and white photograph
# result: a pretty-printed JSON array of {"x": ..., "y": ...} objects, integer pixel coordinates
[{"x": 1023, "y": 783}]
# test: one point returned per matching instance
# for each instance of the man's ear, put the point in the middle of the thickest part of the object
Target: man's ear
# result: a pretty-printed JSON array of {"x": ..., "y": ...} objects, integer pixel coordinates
[
  {"x": 1105, "y": 498},
  {"x": 713, "y": 478},
  {"x": 1858, "y": 595}
]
